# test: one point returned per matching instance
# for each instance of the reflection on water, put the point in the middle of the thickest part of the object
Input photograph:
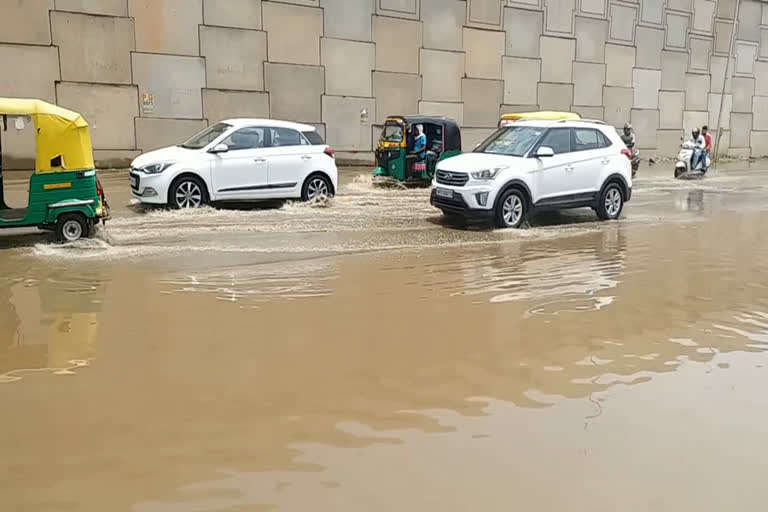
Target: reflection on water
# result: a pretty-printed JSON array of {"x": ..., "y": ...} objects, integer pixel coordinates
[{"x": 465, "y": 370}]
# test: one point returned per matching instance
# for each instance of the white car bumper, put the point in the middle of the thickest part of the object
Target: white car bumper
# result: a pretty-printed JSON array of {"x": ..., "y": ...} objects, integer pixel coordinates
[{"x": 150, "y": 189}]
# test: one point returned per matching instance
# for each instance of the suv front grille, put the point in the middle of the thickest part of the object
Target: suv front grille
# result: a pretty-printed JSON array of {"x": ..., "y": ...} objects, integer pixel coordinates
[{"x": 456, "y": 179}]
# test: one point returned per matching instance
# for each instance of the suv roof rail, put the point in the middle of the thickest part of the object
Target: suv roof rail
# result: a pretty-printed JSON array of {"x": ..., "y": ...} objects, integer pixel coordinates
[{"x": 595, "y": 121}]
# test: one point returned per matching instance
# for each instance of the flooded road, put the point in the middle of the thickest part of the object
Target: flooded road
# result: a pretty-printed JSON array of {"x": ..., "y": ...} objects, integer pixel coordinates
[{"x": 365, "y": 355}]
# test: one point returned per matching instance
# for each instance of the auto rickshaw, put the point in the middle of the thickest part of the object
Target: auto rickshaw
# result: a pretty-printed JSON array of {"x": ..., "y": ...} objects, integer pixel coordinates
[
  {"x": 394, "y": 158},
  {"x": 65, "y": 195},
  {"x": 508, "y": 119}
]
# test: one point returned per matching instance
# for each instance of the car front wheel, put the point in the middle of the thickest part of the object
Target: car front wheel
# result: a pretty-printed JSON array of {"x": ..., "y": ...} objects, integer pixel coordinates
[
  {"x": 611, "y": 202},
  {"x": 188, "y": 192},
  {"x": 511, "y": 209}
]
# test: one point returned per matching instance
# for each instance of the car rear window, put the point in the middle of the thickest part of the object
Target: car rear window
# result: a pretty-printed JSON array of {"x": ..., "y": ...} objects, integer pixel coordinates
[{"x": 314, "y": 138}]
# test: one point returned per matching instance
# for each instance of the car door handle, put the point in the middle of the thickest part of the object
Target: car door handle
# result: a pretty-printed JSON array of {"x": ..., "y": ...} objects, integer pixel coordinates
[
  {"x": 306, "y": 157},
  {"x": 605, "y": 161},
  {"x": 259, "y": 160},
  {"x": 568, "y": 168}
]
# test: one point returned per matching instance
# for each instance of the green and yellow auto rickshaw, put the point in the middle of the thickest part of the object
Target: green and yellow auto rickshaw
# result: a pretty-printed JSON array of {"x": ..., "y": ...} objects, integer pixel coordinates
[
  {"x": 395, "y": 158},
  {"x": 65, "y": 195}
]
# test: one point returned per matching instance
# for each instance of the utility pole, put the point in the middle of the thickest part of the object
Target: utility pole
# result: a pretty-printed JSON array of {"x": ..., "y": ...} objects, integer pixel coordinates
[{"x": 731, "y": 44}]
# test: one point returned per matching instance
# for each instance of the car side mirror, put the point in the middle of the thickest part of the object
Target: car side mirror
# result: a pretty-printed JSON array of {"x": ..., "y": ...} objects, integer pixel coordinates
[
  {"x": 545, "y": 152},
  {"x": 219, "y": 148}
]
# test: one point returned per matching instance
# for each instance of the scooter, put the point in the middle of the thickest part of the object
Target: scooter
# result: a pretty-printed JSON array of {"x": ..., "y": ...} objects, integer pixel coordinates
[
  {"x": 634, "y": 157},
  {"x": 685, "y": 157}
]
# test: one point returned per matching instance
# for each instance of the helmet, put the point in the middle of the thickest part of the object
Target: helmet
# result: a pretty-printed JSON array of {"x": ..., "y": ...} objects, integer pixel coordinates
[
  {"x": 695, "y": 132},
  {"x": 627, "y": 128}
]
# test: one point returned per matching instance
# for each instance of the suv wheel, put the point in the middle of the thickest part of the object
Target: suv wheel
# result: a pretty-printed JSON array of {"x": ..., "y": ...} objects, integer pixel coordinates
[
  {"x": 611, "y": 202},
  {"x": 511, "y": 209}
]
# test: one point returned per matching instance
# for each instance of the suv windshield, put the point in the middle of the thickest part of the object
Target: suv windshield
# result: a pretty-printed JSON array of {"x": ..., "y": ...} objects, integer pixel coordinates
[
  {"x": 207, "y": 136},
  {"x": 393, "y": 132},
  {"x": 511, "y": 141}
]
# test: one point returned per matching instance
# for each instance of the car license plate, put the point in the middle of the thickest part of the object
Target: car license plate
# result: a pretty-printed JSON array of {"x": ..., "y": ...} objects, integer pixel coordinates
[
  {"x": 134, "y": 181},
  {"x": 443, "y": 192}
]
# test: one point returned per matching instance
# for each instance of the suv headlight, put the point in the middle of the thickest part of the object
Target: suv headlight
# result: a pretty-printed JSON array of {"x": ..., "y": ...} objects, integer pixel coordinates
[
  {"x": 156, "y": 168},
  {"x": 488, "y": 174}
]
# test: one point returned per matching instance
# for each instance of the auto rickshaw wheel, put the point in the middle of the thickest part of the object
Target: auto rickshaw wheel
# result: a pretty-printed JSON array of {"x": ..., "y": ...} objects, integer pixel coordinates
[{"x": 71, "y": 227}]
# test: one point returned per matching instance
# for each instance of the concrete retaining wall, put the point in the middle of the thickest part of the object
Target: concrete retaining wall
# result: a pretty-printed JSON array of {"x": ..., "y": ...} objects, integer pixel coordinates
[{"x": 151, "y": 72}]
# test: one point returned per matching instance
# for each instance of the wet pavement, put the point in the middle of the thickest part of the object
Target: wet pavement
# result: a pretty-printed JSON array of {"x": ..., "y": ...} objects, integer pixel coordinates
[{"x": 366, "y": 355}]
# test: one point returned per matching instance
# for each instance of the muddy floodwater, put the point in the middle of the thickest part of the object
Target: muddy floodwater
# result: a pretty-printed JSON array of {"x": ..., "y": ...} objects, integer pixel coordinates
[{"x": 365, "y": 355}]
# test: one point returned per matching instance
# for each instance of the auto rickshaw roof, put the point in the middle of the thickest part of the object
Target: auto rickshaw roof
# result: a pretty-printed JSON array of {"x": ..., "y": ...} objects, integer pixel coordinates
[
  {"x": 451, "y": 130},
  {"x": 61, "y": 135}
]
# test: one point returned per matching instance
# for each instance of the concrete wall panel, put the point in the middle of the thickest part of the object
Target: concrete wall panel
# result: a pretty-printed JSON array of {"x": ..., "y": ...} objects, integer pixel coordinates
[
  {"x": 743, "y": 89},
  {"x": 397, "y": 44},
  {"x": 454, "y": 111},
  {"x": 647, "y": 84},
  {"x": 722, "y": 36},
  {"x": 114, "y": 158},
  {"x": 696, "y": 91},
  {"x": 348, "y": 67},
  {"x": 741, "y": 126},
  {"x": 703, "y": 15},
  {"x": 559, "y": 15},
  {"x": 750, "y": 16},
  {"x": 37, "y": 80},
  {"x": 746, "y": 53},
  {"x": 694, "y": 119},
  {"x": 589, "y": 112},
  {"x": 442, "y": 72},
  {"x": 473, "y": 137},
  {"x": 673, "y": 66},
  {"x": 173, "y": 82},
  {"x": 159, "y": 133},
  {"x": 295, "y": 91},
  {"x": 170, "y": 26},
  {"x": 93, "y": 48},
  {"x": 484, "y": 49},
  {"x": 234, "y": 58},
  {"x": 668, "y": 141},
  {"x": 761, "y": 78},
  {"x": 645, "y": 124},
  {"x": 759, "y": 144},
  {"x": 726, "y": 9},
  {"x": 397, "y": 94},
  {"x": 671, "y": 106},
  {"x": 220, "y": 105},
  {"x": 557, "y": 97},
  {"x": 104, "y": 7},
  {"x": 557, "y": 57},
  {"x": 591, "y": 35},
  {"x": 343, "y": 19},
  {"x": 482, "y": 102},
  {"x": 594, "y": 7},
  {"x": 620, "y": 60},
  {"x": 622, "y": 21},
  {"x": 521, "y": 78},
  {"x": 650, "y": 42},
  {"x": 233, "y": 13},
  {"x": 344, "y": 127},
  {"x": 618, "y": 104},
  {"x": 680, "y": 5},
  {"x": 25, "y": 22},
  {"x": 402, "y": 8},
  {"x": 486, "y": 12},
  {"x": 760, "y": 113},
  {"x": 718, "y": 81},
  {"x": 713, "y": 108},
  {"x": 443, "y": 26},
  {"x": 109, "y": 110},
  {"x": 293, "y": 33},
  {"x": 523, "y": 29},
  {"x": 588, "y": 81},
  {"x": 763, "y": 49},
  {"x": 677, "y": 31},
  {"x": 701, "y": 51},
  {"x": 652, "y": 11}
]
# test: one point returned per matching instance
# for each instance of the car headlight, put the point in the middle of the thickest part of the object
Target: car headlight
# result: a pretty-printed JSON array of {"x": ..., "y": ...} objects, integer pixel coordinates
[
  {"x": 156, "y": 168},
  {"x": 488, "y": 174}
]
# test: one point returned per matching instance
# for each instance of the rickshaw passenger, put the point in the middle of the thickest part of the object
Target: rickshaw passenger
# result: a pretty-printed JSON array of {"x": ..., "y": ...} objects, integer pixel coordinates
[{"x": 419, "y": 149}]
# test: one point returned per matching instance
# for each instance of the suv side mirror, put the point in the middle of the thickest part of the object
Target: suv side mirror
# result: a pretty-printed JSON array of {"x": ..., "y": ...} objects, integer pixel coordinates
[
  {"x": 219, "y": 148},
  {"x": 545, "y": 152}
]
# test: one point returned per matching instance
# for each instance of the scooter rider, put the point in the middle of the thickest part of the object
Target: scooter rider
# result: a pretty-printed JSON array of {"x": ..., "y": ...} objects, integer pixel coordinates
[
  {"x": 698, "y": 149},
  {"x": 628, "y": 137}
]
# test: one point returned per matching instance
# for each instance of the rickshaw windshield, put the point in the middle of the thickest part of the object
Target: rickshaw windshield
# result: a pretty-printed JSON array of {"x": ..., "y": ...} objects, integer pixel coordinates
[
  {"x": 207, "y": 136},
  {"x": 511, "y": 141},
  {"x": 393, "y": 132}
]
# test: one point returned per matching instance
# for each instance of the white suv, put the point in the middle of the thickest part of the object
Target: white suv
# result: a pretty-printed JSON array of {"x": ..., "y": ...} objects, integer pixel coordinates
[
  {"x": 535, "y": 165},
  {"x": 238, "y": 160}
]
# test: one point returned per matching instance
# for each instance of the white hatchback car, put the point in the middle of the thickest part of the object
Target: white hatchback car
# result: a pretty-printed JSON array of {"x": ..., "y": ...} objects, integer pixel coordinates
[
  {"x": 535, "y": 165},
  {"x": 238, "y": 160}
]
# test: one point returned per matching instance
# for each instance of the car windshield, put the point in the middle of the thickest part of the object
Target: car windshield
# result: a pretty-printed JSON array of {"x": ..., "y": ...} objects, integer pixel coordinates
[
  {"x": 393, "y": 132},
  {"x": 511, "y": 141},
  {"x": 207, "y": 136}
]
